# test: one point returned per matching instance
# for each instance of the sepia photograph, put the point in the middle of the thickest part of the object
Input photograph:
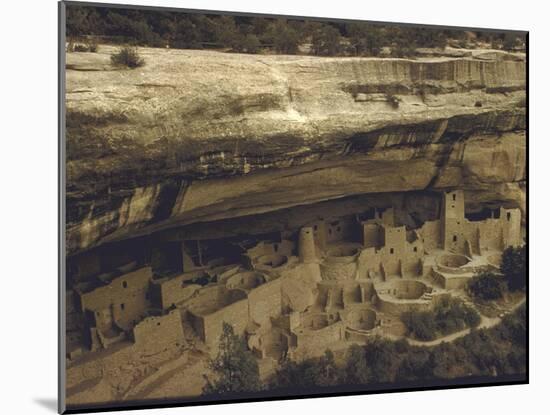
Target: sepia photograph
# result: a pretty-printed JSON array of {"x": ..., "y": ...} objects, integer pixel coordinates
[{"x": 269, "y": 207}]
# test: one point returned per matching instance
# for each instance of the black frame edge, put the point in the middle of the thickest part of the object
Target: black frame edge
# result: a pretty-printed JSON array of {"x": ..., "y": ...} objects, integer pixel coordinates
[{"x": 61, "y": 382}]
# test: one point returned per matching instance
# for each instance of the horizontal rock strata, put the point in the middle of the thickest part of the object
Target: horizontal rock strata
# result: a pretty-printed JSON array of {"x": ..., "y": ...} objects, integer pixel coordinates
[{"x": 197, "y": 136}]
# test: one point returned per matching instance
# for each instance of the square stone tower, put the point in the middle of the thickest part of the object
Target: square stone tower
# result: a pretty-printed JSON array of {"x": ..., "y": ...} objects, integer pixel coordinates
[
  {"x": 511, "y": 227},
  {"x": 452, "y": 221}
]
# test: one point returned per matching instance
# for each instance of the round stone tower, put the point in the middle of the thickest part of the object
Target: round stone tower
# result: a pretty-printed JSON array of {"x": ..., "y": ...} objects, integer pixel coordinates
[{"x": 306, "y": 245}]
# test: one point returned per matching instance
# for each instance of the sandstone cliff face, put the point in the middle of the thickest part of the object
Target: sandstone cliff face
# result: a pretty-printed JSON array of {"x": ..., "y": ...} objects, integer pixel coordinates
[{"x": 201, "y": 136}]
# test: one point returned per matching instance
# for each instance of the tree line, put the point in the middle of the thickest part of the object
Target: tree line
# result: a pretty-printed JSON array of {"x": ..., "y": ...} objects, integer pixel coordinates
[
  {"x": 255, "y": 34},
  {"x": 498, "y": 351}
]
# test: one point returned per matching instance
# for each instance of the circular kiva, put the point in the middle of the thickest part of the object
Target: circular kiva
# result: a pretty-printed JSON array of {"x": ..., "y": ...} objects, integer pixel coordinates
[
  {"x": 343, "y": 251},
  {"x": 271, "y": 261},
  {"x": 315, "y": 321},
  {"x": 453, "y": 260},
  {"x": 361, "y": 319},
  {"x": 245, "y": 280},
  {"x": 406, "y": 289}
]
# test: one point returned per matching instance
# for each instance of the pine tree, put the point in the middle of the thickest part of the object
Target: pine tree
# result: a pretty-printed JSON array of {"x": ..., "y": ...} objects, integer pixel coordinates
[
  {"x": 235, "y": 368},
  {"x": 356, "y": 368},
  {"x": 514, "y": 267}
]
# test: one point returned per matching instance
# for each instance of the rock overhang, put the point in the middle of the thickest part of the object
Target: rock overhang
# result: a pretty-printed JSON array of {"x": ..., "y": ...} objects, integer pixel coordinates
[{"x": 252, "y": 134}]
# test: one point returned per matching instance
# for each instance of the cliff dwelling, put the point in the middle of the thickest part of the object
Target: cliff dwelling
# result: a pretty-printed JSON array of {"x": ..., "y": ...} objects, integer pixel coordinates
[
  {"x": 346, "y": 212},
  {"x": 327, "y": 284}
]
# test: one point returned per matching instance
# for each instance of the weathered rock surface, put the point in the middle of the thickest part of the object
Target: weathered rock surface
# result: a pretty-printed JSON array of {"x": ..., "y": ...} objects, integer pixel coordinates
[{"x": 201, "y": 136}]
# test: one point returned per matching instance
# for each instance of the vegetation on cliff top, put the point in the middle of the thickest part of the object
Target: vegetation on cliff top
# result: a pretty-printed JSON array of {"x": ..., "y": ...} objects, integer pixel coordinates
[
  {"x": 127, "y": 56},
  {"x": 256, "y": 34}
]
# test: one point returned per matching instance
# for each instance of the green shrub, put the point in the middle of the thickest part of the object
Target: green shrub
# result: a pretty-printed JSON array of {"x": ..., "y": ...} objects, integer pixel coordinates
[
  {"x": 365, "y": 40},
  {"x": 449, "y": 316},
  {"x": 403, "y": 51},
  {"x": 486, "y": 286},
  {"x": 128, "y": 57},
  {"x": 356, "y": 368},
  {"x": 453, "y": 315},
  {"x": 93, "y": 47},
  {"x": 79, "y": 47},
  {"x": 514, "y": 267},
  {"x": 251, "y": 44},
  {"x": 325, "y": 41},
  {"x": 471, "y": 317},
  {"x": 510, "y": 41},
  {"x": 418, "y": 364},
  {"x": 420, "y": 324},
  {"x": 317, "y": 371},
  {"x": 235, "y": 368},
  {"x": 86, "y": 46},
  {"x": 380, "y": 355},
  {"x": 284, "y": 37},
  {"x": 393, "y": 101}
]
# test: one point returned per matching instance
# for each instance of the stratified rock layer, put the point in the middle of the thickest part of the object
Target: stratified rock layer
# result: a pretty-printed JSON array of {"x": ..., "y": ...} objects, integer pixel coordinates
[{"x": 201, "y": 136}]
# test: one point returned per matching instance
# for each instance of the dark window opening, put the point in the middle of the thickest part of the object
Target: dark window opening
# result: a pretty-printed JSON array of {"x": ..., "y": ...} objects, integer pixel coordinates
[
  {"x": 454, "y": 238},
  {"x": 454, "y": 196},
  {"x": 453, "y": 206},
  {"x": 124, "y": 284},
  {"x": 368, "y": 215},
  {"x": 276, "y": 247},
  {"x": 508, "y": 216},
  {"x": 483, "y": 214},
  {"x": 122, "y": 306},
  {"x": 338, "y": 229},
  {"x": 415, "y": 249},
  {"x": 158, "y": 324},
  {"x": 391, "y": 250},
  {"x": 315, "y": 227}
]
